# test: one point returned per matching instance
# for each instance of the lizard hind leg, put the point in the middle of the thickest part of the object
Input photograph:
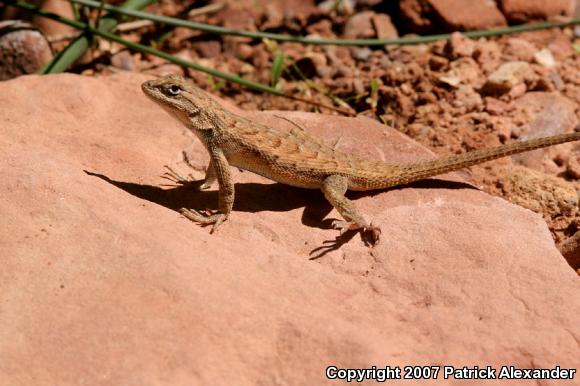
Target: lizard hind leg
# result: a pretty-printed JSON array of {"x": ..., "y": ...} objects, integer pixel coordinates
[{"x": 334, "y": 187}]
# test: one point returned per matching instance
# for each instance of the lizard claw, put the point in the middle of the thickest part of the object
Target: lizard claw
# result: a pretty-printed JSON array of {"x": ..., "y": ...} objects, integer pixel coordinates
[
  {"x": 345, "y": 226},
  {"x": 204, "y": 219},
  {"x": 375, "y": 234},
  {"x": 219, "y": 219}
]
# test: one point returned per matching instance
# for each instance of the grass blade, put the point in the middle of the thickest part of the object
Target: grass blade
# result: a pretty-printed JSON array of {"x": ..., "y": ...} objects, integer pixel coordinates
[
  {"x": 319, "y": 41},
  {"x": 277, "y": 68},
  {"x": 79, "y": 46}
]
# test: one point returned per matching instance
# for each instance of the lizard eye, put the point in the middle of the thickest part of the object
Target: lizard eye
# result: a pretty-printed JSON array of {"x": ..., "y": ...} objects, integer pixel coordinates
[{"x": 174, "y": 89}]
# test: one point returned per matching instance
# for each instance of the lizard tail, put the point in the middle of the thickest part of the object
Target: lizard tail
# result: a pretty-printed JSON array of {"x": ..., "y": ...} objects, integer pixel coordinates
[{"x": 424, "y": 169}]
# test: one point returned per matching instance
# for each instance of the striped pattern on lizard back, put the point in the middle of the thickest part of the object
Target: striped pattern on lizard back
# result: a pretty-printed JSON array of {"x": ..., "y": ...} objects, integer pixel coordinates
[{"x": 294, "y": 157}]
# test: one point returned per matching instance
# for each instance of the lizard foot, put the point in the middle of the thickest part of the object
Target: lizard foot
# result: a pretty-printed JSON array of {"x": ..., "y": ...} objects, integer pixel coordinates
[
  {"x": 345, "y": 226},
  {"x": 374, "y": 232},
  {"x": 175, "y": 177},
  {"x": 188, "y": 181},
  {"x": 204, "y": 219}
]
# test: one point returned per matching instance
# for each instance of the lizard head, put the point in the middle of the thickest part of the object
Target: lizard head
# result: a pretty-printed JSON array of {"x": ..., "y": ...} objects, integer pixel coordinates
[{"x": 181, "y": 99}]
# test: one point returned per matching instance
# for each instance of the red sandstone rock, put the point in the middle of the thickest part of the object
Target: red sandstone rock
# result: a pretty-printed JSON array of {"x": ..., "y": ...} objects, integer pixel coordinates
[
  {"x": 570, "y": 248},
  {"x": 550, "y": 114},
  {"x": 50, "y": 28},
  {"x": 414, "y": 14},
  {"x": 459, "y": 46},
  {"x": 360, "y": 25},
  {"x": 450, "y": 15},
  {"x": 384, "y": 27},
  {"x": 573, "y": 165},
  {"x": 541, "y": 192},
  {"x": 103, "y": 282},
  {"x": 518, "y": 49},
  {"x": 23, "y": 49},
  {"x": 522, "y": 11},
  {"x": 506, "y": 77}
]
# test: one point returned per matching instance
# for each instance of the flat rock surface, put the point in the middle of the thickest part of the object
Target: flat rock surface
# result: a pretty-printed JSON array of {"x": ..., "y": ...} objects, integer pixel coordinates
[{"x": 102, "y": 282}]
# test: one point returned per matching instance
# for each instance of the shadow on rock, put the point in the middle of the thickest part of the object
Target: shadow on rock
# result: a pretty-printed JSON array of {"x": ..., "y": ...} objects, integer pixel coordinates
[{"x": 257, "y": 197}]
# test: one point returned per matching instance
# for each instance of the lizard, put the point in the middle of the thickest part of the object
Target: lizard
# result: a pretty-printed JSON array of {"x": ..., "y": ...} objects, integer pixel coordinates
[{"x": 298, "y": 158}]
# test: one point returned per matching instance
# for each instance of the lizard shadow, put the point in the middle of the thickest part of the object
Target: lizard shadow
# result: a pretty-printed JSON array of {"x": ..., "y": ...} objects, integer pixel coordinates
[
  {"x": 250, "y": 197},
  {"x": 275, "y": 197},
  {"x": 321, "y": 211}
]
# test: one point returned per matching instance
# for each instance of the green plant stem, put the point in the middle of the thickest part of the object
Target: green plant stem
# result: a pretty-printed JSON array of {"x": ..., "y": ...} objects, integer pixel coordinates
[
  {"x": 81, "y": 44},
  {"x": 166, "y": 56},
  {"x": 99, "y": 13},
  {"x": 320, "y": 41}
]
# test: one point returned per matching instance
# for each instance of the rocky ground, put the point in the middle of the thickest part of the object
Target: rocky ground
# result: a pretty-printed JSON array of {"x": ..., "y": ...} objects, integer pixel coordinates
[{"x": 103, "y": 281}]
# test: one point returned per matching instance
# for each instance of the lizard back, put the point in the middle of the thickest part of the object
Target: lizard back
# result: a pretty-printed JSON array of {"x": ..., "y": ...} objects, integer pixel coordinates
[
  {"x": 299, "y": 159},
  {"x": 292, "y": 157}
]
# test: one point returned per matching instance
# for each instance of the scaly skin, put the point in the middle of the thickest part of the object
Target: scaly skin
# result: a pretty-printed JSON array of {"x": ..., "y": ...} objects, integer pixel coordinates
[{"x": 297, "y": 158}]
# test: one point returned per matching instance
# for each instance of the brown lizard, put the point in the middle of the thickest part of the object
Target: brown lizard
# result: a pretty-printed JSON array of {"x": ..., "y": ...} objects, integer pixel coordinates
[{"x": 297, "y": 158}]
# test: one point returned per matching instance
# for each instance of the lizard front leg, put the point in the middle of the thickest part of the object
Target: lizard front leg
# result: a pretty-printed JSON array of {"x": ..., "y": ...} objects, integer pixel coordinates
[
  {"x": 210, "y": 177},
  {"x": 334, "y": 187},
  {"x": 218, "y": 169}
]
